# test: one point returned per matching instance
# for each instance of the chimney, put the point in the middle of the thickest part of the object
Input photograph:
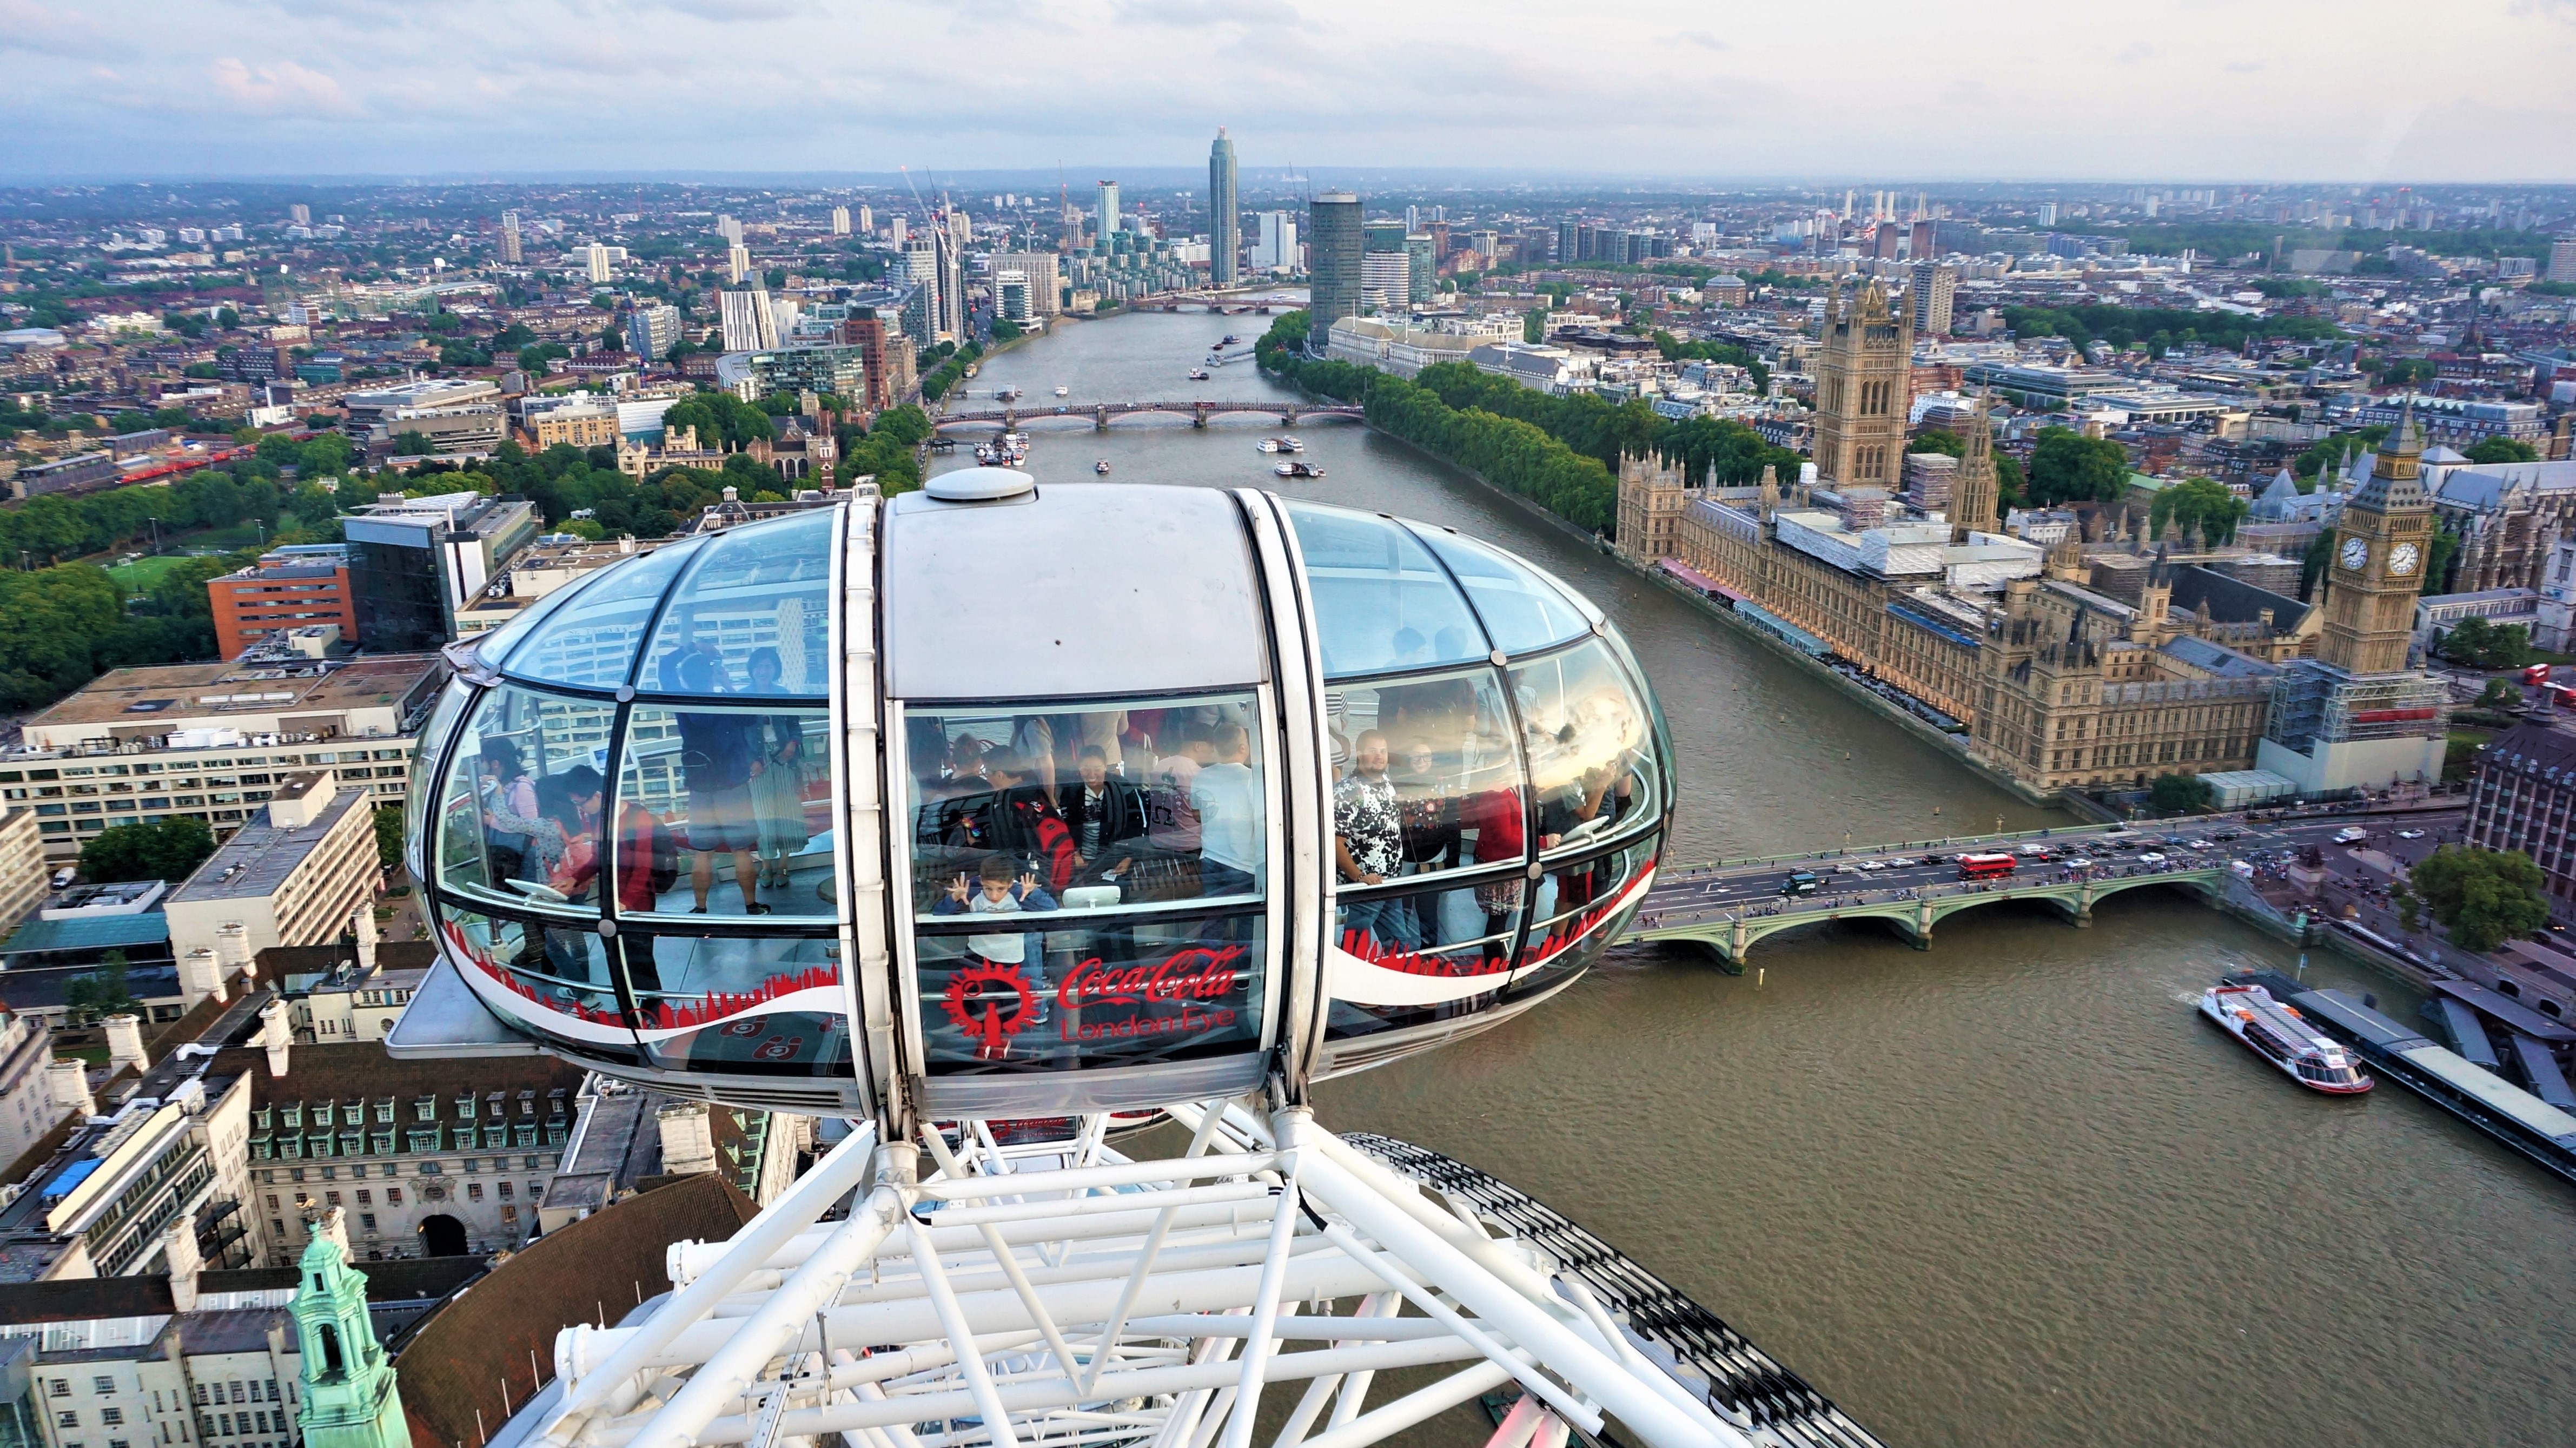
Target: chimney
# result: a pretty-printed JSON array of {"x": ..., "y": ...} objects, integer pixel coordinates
[
  {"x": 276, "y": 1034},
  {"x": 179, "y": 1248},
  {"x": 201, "y": 976},
  {"x": 232, "y": 951},
  {"x": 362, "y": 924},
  {"x": 125, "y": 1044},
  {"x": 688, "y": 1140},
  {"x": 68, "y": 1083}
]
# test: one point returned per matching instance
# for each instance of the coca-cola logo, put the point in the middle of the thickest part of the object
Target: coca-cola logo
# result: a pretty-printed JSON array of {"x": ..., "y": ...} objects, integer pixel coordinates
[{"x": 1196, "y": 974}]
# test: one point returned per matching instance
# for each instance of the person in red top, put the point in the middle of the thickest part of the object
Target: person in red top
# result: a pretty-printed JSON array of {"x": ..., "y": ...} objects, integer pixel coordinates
[
  {"x": 635, "y": 826},
  {"x": 1501, "y": 827}
]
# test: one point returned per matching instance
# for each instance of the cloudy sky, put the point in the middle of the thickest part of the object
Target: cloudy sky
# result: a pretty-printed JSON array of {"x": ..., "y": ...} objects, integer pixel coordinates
[{"x": 2344, "y": 90}]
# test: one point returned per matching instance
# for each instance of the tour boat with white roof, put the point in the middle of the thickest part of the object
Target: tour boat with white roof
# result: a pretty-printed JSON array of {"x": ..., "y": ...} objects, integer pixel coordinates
[{"x": 2281, "y": 1035}]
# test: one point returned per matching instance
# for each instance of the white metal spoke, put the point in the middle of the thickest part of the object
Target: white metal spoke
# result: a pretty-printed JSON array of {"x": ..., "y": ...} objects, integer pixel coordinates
[{"x": 1059, "y": 1294}]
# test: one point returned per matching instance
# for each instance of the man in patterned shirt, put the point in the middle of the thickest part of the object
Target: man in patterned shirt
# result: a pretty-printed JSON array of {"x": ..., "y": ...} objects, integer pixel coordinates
[{"x": 1368, "y": 845}]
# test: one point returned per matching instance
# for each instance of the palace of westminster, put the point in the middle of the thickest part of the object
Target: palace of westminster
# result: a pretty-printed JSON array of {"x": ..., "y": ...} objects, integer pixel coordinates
[{"x": 2068, "y": 663}]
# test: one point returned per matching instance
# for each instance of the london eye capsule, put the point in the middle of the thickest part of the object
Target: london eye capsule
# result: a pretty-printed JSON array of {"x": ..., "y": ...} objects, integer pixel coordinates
[{"x": 997, "y": 798}]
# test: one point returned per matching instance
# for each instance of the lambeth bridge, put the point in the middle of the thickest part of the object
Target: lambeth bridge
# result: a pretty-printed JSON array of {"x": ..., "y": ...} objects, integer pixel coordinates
[
  {"x": 1731, "y": 905},
  {"x": 1099, "y": 414}
]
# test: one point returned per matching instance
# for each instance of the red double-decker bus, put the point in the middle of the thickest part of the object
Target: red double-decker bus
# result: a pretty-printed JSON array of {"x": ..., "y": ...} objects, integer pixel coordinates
[{"x": 1985, "y": 867}]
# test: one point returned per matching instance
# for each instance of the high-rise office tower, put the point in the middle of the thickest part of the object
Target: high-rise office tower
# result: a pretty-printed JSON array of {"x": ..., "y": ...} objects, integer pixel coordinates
[
  {"x": 1225, "y": 219},
  {"x": 1275, "y": 243},
  {"x": 960, "y": 230},
  {"x": 1386, "y": 281},
  {"x": 1422, "y": 267},
  {"x": 1929, "y": 290},
  {"x": 1106, "y": 222},
  {"x": 651, "y": 330},
  {"x": 840, "y": 221},
  {"x": 510, "y": 238},
  {"x": 952, "y": 284},
  {"x": 2562, "y": 259},
  {"x": 921, "y": 317},
  {"x": 1413, "y": 218},
  {"x": 1046, "y": 286},
  {"x": 1333, "y": 232},
  {"x": 737, "y": 262},
  {"x": 746, "y": 321}
]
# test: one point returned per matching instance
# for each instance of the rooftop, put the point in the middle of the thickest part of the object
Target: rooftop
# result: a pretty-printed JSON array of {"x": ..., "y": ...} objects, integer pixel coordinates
[
  {"x": 165, "y": 696},
  {"x": 461, "y": 1360},
  {"x": 255, "y": 862}
]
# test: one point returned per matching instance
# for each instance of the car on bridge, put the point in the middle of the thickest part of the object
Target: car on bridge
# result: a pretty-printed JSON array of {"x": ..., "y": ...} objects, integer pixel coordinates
[
  {"x": 1800, "y": 882},
  {"x": 2151, "y": 857}
]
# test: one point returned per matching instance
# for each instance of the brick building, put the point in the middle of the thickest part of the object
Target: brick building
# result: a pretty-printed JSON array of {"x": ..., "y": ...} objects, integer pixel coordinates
[{"x": 289, "y": 588}]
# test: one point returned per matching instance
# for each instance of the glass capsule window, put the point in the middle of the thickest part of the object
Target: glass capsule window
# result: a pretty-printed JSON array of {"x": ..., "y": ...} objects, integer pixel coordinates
[
  {"x": 632, "y": 839},
  {"x": 1452, "y": 775},
  {"x": 1591, "y": 751},
  {"x": 726, "y": 811},
  {"x": 1087, "y": 881},
  {"x": 521, "y": 803}
]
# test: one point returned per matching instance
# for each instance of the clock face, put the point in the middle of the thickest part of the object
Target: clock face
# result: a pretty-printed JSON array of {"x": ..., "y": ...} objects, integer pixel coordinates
[
  {"x": 2355, "y": 553},
  {"x": 2401, "y": 559}
]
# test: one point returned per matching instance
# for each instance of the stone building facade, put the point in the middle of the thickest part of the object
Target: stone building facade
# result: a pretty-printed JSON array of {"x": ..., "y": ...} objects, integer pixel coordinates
[
  {"x": 1652, "y": 493},
  {"x": 2082, "y": 691},
  {"x": 2056, "y": 685},
  {"x": 1861, "y": 364}
]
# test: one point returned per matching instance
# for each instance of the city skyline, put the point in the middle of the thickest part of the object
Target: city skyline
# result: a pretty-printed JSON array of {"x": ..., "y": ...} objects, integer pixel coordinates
[{"x": 234, "y": 88}]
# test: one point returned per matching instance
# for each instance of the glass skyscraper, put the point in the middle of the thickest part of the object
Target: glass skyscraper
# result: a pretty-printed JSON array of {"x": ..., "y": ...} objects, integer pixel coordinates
[
  {"x": 1225, "y": 224},
  {"x": 1333, "y": 239}
]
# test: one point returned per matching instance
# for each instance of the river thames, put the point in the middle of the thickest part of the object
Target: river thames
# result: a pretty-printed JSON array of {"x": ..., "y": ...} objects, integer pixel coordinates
[{"x": 2011, "y": 1190}]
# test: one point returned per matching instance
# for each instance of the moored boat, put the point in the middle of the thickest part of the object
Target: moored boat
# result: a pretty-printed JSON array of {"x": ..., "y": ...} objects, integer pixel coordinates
[
  {"x": 2281, "y": 1035},
  {"x": 1298, "y": 470},
  {"x": 1101, "y": 467},
  {"x": 1198, "y": 374}
]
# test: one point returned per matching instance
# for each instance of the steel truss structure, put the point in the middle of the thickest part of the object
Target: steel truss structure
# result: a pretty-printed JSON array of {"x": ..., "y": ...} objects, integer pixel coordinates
[{"x": 1062, "y": 1294}]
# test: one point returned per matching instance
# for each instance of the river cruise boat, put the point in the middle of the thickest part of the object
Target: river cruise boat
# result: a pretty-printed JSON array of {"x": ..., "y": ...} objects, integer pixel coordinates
[
  {"x": 2281, "y": 1035},
  {"x": 1228, "y": 340},
  {"x": 1280, "y": 445},
  {"x": 1298, "y": 470},
  {"x": 1064, "y": 392},
  {"x": 1198, "y": 374}
]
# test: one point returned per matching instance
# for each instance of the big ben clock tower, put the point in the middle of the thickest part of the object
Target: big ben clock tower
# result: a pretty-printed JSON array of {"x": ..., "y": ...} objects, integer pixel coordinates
[
  {"x": 2382, "y": 547},
  {"x": 2353, "y": 717}
]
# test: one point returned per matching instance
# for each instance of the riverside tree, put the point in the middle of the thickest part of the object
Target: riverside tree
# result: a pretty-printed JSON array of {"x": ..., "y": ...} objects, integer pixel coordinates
[{"x": 2483, "y": 897}]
